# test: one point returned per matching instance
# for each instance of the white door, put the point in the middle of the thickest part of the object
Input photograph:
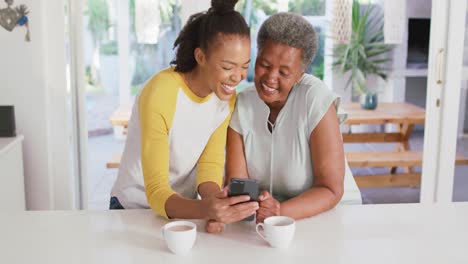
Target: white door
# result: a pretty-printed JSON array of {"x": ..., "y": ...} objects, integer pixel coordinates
[{"x": 446, "y": 106}]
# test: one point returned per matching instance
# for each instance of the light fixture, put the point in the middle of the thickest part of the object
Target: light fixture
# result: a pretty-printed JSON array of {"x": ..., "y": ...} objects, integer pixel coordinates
[{"x": 341, "y": 26}]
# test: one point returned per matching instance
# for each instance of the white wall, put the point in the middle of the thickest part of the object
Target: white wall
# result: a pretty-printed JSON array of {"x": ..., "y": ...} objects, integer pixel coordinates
[
  {"x": 32, "y": 78},
  {"x": 418, "y": 8},
  {"x": 190, "y": 7}
]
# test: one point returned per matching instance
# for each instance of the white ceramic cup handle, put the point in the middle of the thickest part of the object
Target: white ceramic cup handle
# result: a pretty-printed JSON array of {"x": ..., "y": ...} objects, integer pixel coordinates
[{"x": 258, "y": 231}]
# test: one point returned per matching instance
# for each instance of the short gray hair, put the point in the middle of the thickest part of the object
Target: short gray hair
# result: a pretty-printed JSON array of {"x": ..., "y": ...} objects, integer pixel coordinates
[{"x": 292, "y": 30}]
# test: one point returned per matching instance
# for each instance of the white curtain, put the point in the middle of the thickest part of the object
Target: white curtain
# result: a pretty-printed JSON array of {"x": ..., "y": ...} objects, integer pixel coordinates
[{"x": 147, "y": 21}]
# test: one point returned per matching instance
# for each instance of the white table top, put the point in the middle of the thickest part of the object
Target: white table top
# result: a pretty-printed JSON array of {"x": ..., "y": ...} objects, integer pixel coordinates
[{"x": 410, "y": 233}]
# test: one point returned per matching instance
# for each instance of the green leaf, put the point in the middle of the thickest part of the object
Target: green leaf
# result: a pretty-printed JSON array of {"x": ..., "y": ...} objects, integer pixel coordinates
[
  {"x": 379, "y": 61},
  {"x": 376, "y": 52},
  {"x": 365, "y": 55}
]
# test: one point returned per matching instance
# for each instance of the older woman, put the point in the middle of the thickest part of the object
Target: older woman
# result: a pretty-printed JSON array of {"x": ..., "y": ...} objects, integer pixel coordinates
[{"x": 285, "y": 131}]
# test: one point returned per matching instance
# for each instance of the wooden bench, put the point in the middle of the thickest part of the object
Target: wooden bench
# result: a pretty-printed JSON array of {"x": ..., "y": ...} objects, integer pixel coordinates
[
  {"x": 114, "y": 163},
  {"x": 121, "y": 116},
  {"x": 403, "y": 115},
  {"x": 371, "y": 159},
  {"x": 391, "y": 160}
]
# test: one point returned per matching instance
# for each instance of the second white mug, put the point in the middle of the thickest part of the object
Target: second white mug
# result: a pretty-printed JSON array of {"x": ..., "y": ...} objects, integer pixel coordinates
[{"x": 278, "y": 231}]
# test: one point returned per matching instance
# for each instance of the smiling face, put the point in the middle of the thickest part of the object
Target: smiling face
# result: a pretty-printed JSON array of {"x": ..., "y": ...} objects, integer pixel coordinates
[
  {"x": 225, "y": 64},
  {"x": 277, "y": 68}
]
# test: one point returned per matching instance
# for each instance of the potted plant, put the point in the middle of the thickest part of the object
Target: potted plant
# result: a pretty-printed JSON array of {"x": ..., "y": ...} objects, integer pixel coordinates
[{"x": 364, "y": 56}]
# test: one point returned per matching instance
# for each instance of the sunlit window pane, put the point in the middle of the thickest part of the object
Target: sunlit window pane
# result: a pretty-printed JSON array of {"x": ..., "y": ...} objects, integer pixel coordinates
[
  {"x": 307, "y": 7},
  {"x": 257, "y": 11}
]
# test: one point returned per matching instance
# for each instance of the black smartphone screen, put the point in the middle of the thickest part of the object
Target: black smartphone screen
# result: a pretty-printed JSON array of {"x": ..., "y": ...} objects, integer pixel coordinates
[{"x": 250, "y": 187}]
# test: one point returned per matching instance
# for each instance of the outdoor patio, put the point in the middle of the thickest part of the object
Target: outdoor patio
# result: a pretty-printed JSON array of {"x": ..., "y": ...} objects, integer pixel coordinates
[{"x": 102, "y": 179}]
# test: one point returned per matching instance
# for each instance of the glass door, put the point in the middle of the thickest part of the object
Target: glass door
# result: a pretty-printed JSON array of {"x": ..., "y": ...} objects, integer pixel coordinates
[
  {"x": 422, "y": 64},
  {"x": 384, "y": 146},
  {"x": 445, "y": 165},
  {"x": 108, "y": 65}
]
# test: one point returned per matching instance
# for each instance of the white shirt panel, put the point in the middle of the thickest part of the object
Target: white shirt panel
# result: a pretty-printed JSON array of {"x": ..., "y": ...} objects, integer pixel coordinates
[{"x": 190, "y": 131}]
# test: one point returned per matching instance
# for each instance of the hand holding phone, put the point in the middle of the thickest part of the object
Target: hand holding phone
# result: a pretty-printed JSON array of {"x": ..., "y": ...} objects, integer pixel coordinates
[{"x": 244, "y": 186}]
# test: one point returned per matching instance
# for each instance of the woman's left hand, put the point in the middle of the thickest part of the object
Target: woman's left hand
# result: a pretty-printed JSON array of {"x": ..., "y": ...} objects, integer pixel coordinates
[{"x": 269, "y": 206}]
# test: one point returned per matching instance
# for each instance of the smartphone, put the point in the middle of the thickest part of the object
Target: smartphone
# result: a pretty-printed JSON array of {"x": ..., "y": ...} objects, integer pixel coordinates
[{"x": 250, "y": 187}]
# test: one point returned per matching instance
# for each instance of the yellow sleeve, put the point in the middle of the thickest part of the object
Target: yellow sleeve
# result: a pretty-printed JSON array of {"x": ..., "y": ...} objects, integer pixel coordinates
[
  {"x": 210, "y": 165},
  {"x": 156, "y": 107}
]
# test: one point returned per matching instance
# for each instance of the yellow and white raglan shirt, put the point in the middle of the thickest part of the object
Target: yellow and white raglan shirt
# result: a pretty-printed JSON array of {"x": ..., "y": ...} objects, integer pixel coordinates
[{"x": 176, "y": 141}]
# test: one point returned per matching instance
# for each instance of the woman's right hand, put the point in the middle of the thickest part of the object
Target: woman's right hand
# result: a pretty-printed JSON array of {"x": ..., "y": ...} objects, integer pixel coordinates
[
  {"x": 214, "y": 227},
  {"x": 224, "y": 209}
]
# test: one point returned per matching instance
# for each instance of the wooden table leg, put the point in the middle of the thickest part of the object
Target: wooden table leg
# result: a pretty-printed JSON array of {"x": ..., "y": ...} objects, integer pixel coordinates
[
  {"x": 404, "y": 146},
  {"x": 405, "y": 130}
]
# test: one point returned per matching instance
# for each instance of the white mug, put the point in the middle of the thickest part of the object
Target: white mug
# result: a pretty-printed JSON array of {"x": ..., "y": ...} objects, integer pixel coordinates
[
  {"x": 278, "y": 231},
  {"x": 179, "y": 236}
]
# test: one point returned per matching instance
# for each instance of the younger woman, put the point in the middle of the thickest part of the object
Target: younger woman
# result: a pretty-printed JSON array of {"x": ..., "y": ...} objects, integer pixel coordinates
[{"x": 176, "y": 140}]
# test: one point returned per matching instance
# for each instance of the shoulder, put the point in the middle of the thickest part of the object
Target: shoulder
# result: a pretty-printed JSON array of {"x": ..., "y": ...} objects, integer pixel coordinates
[
  {"x": 312, "y": 84},
  {"x": 312, "y": 89},
  {"x": 161, "y": 89},
  {"x": 162, "y": 84},
  {"x": 232, "y": 102},
  {"x": 318, "y": 99},
  {"x": 248, "y": 103},
  {"x": 244, "y": 111},
  {"x": 163, "y": 80},
  {"x": 247, "y": 95}
]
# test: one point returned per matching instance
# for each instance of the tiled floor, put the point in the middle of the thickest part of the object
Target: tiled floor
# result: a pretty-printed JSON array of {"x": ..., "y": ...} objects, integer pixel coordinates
[
  {"x": 408, "y": 194},
  {"x": 100, "y": 179},
  {"x": 102, "y": 148},
  {"x": 100, "y": 106}
]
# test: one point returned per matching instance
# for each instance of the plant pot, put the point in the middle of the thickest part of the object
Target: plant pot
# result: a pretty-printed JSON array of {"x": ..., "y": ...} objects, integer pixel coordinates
[{"x": 368, "y": 101}]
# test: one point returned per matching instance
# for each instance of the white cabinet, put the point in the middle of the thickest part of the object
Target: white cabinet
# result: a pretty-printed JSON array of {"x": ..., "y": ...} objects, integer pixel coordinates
[{"x": 11, "y": 174}]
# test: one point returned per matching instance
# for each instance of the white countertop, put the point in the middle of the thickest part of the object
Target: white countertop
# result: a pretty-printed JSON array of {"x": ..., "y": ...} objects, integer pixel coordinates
[
  {"x": 402, "y": 233},
  {"x": 7, "y": 142}
]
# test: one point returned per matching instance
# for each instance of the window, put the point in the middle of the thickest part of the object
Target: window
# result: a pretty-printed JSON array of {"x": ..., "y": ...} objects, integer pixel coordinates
[
  {"x": 257, "y": 11},
  {"x": 307, "y": 7},
  {"x": 110, "y": 42},
  {"x": 152, "y": 58}
]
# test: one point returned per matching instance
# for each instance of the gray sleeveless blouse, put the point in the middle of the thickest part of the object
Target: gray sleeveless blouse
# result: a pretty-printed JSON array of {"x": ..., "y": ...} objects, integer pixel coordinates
[{"x": 280, "y": 160}]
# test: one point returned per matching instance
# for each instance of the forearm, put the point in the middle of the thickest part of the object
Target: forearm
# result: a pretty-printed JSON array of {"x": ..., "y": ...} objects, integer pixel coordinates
[
  {"x": 316, "y": 200},
  {"x": 207, "y": 189},
  {"x": 236, "y": 165},
  {"x": 183, "y": 208}
]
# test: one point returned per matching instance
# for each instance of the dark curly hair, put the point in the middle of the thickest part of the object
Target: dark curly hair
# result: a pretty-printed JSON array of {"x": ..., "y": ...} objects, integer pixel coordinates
[{"x": 201, "y": 29}]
